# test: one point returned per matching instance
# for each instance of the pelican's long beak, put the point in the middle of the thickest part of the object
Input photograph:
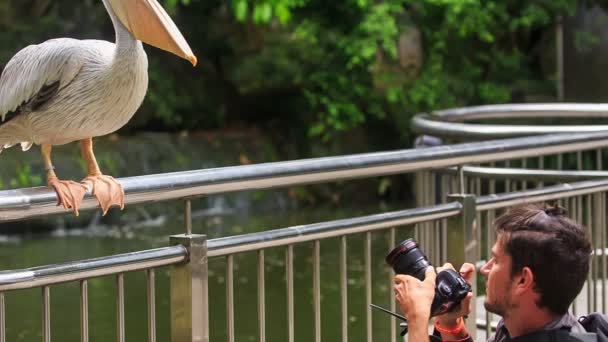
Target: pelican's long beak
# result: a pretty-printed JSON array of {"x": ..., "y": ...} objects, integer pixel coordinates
[{"x": 150, "y": 23}]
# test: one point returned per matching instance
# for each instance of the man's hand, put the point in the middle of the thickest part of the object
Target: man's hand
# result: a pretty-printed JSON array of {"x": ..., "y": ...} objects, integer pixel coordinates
[
  {"x": 448, "y": 319},
  {"x": 415, "y": 297}
]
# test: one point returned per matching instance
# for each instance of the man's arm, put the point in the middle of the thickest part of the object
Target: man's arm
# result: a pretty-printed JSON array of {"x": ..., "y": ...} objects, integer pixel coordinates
[
  {"x": 415, "y": 298},
  {"x": 450, "y": 326}
]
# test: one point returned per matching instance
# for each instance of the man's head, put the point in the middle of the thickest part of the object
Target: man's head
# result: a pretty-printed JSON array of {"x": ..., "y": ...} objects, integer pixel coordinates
[{"x": 540, "y": 254}]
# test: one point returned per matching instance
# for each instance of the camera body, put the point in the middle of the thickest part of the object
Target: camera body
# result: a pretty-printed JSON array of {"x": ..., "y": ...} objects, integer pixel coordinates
[{"x": 450, "y": 286}]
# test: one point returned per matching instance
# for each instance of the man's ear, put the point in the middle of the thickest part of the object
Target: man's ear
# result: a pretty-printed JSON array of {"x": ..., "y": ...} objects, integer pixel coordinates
[{"x": 525, "y": 280}]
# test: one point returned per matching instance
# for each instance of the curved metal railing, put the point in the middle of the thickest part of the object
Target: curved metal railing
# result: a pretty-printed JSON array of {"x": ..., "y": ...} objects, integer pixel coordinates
[{"x": 452, "y": 123}]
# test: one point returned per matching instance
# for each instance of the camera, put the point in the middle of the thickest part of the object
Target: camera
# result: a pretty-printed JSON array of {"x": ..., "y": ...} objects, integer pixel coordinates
[{"x": 450, "y": 286}]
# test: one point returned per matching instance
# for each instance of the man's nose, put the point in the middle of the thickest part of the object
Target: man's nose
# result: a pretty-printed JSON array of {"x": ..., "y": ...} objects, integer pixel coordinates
[{"x": 485, "y": 269}]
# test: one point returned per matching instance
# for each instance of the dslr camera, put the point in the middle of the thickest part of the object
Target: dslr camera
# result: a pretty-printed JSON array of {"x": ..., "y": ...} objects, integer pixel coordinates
[{"x": 450, "y": 286}]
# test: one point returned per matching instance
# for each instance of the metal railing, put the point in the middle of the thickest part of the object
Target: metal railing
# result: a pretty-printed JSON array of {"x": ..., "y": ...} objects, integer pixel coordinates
[{"x": 438, "y": 219}]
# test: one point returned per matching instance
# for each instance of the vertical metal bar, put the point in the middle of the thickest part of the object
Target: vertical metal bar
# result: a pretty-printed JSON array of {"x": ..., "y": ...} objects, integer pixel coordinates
[
  {"x": 420, "y": 190},
  {"x": 46, "y": 314},
  {"x": 344, "y": 288},
  {"x": 602, "y": 227},
  {"x": 188, "y": 217},
  {"x": 524, "y": 183},
  {"x": 489, "y": 242},
  {"x": 541, "y": 166},
  {"x": 316, "y": 284},
  {"x": 559, "y": 61},
  {"x": 590, "y": 280},
  {"x": 444, "y": 223},
  {"x": 290, "y": 304},
  {"x": 391, "y": 244},
  {"x": 508, "y": 180},
  {"x": 261, "y": 296},
  {"x": 189, "y": 291},
  {"x": 230, "y": 297},
  {"x": 2, "y": 319},
  {"x": 151, "y": 285},
  {"x": 84, "y": 311},
  {"x": 367, "y": 250},
  {"x": 431, "y": 230},
  {"x": 597, "y": 246},
  {"x": 461, "y": 179},
  {"x": 464, "y": 236},
  {"x": 120, "y": 307},
  {"x": 573, "y": 209}
]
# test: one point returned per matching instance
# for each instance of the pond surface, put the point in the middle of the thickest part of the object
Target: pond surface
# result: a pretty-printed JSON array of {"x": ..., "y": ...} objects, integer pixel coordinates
[{"x": 65, "y": 238}]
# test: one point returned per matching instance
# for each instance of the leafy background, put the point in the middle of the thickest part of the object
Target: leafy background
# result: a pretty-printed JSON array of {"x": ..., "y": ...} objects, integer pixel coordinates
[{"x": 310, "y": 69}]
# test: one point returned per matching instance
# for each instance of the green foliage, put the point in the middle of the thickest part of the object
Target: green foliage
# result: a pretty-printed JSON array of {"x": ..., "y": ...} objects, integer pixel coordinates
[
  {"x": 474, "y": 52},
  {"x": 312, "y": 68}
]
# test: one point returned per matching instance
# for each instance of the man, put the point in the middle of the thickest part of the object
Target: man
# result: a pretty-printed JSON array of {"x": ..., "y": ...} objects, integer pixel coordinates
[{"x": 538, "y": 266}]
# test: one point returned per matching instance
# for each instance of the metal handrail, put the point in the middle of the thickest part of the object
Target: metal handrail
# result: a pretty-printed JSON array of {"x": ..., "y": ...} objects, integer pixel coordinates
[
  {"x": 450, "y": 123},
  {"x": 323, "y": 230},
  {"x": 291, "y": 235},
  {"x": 34, "y": 202},
  {"x": 501, "y": 173},
  {"x": 548, "y": 193},
  {"x": 90, "y": 268}
]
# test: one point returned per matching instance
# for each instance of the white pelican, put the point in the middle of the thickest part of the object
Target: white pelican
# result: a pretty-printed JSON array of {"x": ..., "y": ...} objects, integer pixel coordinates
[{"x": 65, "y": 90}]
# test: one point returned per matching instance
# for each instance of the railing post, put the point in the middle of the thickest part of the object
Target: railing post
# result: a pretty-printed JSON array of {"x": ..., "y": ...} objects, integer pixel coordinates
[
  {"x": 463, "y": 245},
  {"x": 189, "y": 292}
]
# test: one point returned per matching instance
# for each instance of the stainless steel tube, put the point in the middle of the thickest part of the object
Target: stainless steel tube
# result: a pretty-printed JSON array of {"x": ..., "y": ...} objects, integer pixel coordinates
[
  {"x": 85, "y": 269},
  {"x": 543, "y": 194},
  {"x": 316, "y": 288},
  {"x": 323, "y": 230},
  {"x": 391, "y": 244},
  {"x": 230, "y": 297},
  {"x": 84, "y": 311},
  {"x": 33, "y": 202},
  {"x": 151, "y": 287},
  {"x": 2, "y": 318},
  {"x": 528, "y": 174},
  {"x": 261, "y": 297},
  {"x": 290, "y": 284},
  {"x": 46, "y": 314},
  {"x": 120, "y": 307},
  {"x": 343, "y": 289}
]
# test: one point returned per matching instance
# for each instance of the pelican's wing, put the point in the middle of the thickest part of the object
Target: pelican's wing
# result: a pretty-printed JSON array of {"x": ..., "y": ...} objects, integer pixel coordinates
[{"x": 36, "y": 73}]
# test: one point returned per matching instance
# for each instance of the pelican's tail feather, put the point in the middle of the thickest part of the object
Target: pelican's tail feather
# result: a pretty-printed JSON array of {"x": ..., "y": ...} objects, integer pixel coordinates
[{"x": 26, "y": 145}]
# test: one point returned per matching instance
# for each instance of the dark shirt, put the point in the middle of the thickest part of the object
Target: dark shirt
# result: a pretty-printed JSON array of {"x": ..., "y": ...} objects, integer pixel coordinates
[{"x": 566, "y": 321}]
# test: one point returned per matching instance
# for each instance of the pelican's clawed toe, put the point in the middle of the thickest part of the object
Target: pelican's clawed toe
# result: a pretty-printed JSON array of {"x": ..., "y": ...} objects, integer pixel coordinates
[
  {"x": 107, "y": 190},
  {"x": 69, "y": 193}
]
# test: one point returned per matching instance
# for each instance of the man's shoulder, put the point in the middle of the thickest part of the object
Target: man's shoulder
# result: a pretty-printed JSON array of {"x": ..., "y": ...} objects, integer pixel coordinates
[{"x": 565, "y": 328}]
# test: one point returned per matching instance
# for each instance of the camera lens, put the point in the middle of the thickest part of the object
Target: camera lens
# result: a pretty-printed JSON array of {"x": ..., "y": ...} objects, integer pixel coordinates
[{"x": 408, "y": 259}]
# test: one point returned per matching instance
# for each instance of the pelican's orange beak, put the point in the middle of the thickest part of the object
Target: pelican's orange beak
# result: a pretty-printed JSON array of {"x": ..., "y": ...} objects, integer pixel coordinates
[{"x": 150, "y": 23}]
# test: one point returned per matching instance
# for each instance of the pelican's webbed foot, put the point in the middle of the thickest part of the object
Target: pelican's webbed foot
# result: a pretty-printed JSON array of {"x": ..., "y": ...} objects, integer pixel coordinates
[
  {"x": 69, "y": 193},
  {"x": 107, "y": 190}
]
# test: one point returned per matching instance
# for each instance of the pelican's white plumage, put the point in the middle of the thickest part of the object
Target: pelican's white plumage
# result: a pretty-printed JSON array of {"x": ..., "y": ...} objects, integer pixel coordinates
[
  {"x": 98, "y": 91},
  {"x": 65, "y": 90}
]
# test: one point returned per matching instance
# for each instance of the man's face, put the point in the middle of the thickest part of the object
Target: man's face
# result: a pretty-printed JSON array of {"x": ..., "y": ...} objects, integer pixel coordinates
[{"x": 499, "y": 283}]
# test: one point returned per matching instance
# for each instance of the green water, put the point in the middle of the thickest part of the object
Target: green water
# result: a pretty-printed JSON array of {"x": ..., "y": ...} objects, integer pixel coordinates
[{"x": 64, "y": 238}]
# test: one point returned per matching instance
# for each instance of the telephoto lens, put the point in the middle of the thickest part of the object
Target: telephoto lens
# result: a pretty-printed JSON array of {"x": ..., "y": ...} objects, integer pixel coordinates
[
  {"x": 408, "y": 259},
  {"x": 450, "y": 286}
]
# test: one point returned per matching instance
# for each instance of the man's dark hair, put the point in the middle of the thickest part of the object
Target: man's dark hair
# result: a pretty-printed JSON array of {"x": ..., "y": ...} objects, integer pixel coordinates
[{"x": 553, "y": 246}]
